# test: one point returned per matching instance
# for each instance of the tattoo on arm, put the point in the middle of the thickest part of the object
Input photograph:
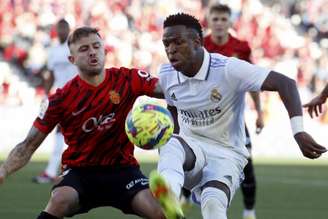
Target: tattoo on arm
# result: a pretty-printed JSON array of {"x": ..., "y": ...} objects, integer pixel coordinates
[{"x": 23, "y": 152}]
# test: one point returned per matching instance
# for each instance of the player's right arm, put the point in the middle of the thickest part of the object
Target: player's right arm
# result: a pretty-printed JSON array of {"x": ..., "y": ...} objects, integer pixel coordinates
[
  {"x": 287, "y": 90},
  {"x": 22, "y": 153},
  {"x": 248, "y": 77}
]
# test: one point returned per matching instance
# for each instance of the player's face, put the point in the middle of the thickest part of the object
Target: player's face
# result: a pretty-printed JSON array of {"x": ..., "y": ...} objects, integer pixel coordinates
[
  {"x": 180, "y": 47},
  {"x": 219, "y": 23},
  {"x": 88, "y": 54}
]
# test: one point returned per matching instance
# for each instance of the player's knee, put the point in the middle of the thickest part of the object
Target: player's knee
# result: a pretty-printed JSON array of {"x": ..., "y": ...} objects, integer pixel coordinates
[{"x": 63, "y": 201}]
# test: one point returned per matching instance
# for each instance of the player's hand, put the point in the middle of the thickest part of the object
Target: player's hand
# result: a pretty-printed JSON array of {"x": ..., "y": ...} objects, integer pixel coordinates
[
  {"x": 259, "y": 124},
  {"x": 315, "y": 105},
  {"x": 3, "y": 174},
  {"x": 308, "y": 146}
]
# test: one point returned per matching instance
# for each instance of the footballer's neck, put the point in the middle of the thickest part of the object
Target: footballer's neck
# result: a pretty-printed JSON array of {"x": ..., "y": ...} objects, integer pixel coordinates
[
  {"x": 220, "y": 40},
  {"x": 93, "y": 79}
]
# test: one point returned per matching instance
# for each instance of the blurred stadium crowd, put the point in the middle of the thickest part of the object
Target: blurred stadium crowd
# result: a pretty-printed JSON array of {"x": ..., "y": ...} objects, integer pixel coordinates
[{"x": 288, "y": 36}]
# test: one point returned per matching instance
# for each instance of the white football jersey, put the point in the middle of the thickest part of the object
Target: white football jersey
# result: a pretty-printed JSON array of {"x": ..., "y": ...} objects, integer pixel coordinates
[
  {"x": 58, "y": 63},
  {"x": 211, "y": 104}
]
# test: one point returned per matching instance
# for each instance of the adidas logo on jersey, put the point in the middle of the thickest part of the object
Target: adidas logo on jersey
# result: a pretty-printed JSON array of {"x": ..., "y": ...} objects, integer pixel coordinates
[{"x": 173, "y": 97}]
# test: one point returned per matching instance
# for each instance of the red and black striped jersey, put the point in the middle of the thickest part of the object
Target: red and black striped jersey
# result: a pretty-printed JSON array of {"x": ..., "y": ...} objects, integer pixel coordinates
[
  {"x": 233, "y": 48},
  {"x": 92, "y": 118}
]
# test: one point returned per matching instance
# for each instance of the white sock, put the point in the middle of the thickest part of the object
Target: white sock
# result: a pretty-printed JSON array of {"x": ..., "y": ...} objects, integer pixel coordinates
[
  {"x": 170, "y": 165},
  {"x": 249, "y": 213},
  {"x": 55, "y": 157},
  {"x": 214, "y": 203}
]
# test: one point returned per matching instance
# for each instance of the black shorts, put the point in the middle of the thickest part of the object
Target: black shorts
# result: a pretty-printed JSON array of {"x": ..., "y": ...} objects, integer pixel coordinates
[{"x": 105, "y": 187}]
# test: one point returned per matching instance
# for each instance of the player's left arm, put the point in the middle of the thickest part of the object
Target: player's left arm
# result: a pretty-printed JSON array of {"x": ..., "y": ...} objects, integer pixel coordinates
[
  {"x": 22, "y": 153},
  {"x": 257, "y": 103},
  {"x": 288, "y": 92},
  {"x": 255, "y": 95}
]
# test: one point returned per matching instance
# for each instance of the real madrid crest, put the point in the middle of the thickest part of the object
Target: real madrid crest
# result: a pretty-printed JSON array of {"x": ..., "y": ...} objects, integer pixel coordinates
[
  {"x": 114, "y": 97},
  {"x": 215, "y": 95}
]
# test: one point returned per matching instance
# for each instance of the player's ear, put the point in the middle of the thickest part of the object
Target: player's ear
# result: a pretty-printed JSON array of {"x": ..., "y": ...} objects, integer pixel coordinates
[
  {"x": 197, "y": 41},
  {"x": 71, "y": 59}
]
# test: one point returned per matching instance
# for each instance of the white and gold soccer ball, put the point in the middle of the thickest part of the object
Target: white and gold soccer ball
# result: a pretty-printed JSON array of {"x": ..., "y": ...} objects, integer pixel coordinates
[{"x": 149, "y": 125}]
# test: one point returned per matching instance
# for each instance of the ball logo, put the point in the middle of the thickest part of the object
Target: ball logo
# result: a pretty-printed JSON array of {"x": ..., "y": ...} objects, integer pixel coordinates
[
  {"x": 215, "y": 95},
  {"x": 114, "y": 97}
]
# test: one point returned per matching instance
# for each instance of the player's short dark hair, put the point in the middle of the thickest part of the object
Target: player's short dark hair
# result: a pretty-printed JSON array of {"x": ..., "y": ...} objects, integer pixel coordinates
[
  {"x": 62, "y": 21},
  {"x": 217, "y": 7},
  {"x": 81, "y": 32},
  {"x": 186, "y": 20}
]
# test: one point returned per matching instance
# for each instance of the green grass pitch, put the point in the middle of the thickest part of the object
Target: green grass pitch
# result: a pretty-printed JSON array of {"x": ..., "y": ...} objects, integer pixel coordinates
[{"x": 285, "y": 191}]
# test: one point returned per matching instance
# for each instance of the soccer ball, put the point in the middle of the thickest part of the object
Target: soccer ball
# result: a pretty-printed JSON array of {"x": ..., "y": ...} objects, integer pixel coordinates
[{"x": 149, "y": 125}]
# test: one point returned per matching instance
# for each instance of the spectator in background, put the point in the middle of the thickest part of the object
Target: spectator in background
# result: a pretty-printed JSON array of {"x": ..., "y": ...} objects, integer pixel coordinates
[{"x": 60, "y": 70}]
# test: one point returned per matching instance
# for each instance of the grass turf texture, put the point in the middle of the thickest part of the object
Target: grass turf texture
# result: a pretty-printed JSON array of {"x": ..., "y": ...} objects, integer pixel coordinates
[{"x": 285, "y": 191}]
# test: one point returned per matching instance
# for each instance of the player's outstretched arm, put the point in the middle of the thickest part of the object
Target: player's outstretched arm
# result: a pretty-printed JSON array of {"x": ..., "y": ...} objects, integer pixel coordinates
[
  {"x": 22, "y": 153},
  {"x": 287, "y": 90},
  {"x": 315, "y": 105}
]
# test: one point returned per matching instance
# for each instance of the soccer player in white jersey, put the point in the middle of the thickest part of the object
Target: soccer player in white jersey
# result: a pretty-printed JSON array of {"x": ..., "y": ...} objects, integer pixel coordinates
[
  {"x": 61, "y": 71},
  {"x": 207, "y": 90}
]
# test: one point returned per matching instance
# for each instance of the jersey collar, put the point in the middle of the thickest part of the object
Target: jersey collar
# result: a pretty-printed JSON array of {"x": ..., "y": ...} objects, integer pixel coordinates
[{"x": 203, "y": 72}]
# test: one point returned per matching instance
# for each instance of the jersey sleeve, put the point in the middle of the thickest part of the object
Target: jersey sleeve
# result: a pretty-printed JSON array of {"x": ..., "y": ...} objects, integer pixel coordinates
[
  {"x": 50, "y": 113},
  {"x": 243, "y": 76},
  {"x": 142, "y": 82},
  {"x": 163, "y": 72}
]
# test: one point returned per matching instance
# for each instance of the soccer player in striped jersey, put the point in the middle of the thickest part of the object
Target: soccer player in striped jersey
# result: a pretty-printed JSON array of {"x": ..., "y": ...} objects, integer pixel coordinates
[
  {"x": 207, "y": 90},
  {"x": 222, "y": 42},
  {"x": 99, "y": 166}
]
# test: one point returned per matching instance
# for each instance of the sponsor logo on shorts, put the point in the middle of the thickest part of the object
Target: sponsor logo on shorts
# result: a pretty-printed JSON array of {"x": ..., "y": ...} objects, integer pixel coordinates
[{"x": 141, "y": 181}]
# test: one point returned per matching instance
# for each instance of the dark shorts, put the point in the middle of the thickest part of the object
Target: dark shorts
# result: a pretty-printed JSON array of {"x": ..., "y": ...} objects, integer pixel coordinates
[{"x": 105, "y": 187}]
